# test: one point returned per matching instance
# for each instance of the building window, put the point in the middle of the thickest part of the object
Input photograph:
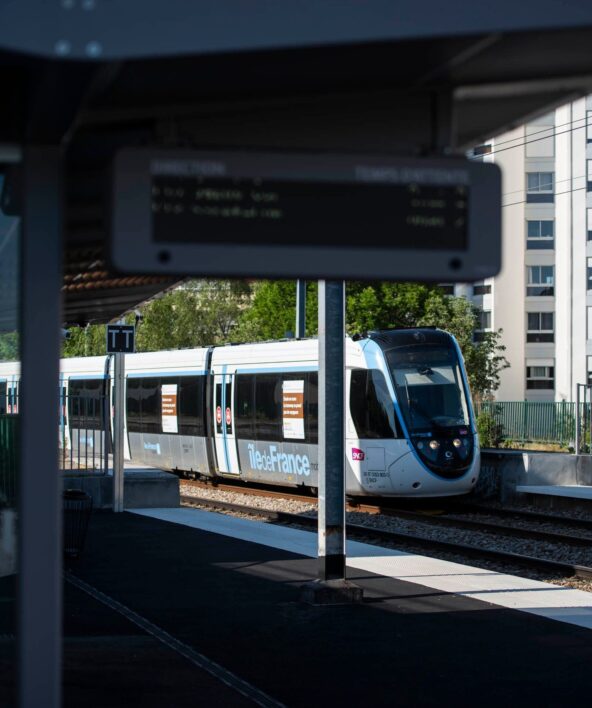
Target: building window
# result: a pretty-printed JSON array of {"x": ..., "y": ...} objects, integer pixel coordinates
[
  {"x": 589, "y": 370},
  {"x": 483, "y": 323},
  {"x": 589, "y": 175},
  {"x": 540, "y": 327},
  {"x": 540, "y": 281},
  {"x": 589, "y": 274},
  {"x": 481, "y": 150},
  {"x": 540, "y": 377},
  {"x": 484, "y": 319},
  {"x": 539, "y": 187},
  {"x": 589, "y": 223},
  {"x": 482, "y": 289},
  {"x": 540, "y": 235}
]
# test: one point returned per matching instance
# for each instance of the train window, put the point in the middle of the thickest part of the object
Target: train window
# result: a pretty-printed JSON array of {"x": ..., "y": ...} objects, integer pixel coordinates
[
  {"x": 258, "y": 406},
  {"x": 134, "y": 419},
  {"x": 150, "y": 405},
  {"x": 371, "y": 405},
  {"x": 244, "y": 407},
  {"x": 268, "y": 413},
  {"x": 191, "y": 405},
  {"x": 143, "y": 405},
  {"x": 3, "y": 403},
  {"x": 311, "y": 408},
  {"x": 85, "y": 403}
]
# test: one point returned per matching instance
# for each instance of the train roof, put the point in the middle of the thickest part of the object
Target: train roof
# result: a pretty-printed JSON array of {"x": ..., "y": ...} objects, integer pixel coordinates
[
  {"x": 393, "y": 338},
  {"x": 304, "y": 351}
]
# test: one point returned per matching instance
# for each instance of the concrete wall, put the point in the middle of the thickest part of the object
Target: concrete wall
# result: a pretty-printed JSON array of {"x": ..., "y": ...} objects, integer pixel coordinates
[
  {"x": 503, "y": 470},
  {"x": 143, "y": 489}
]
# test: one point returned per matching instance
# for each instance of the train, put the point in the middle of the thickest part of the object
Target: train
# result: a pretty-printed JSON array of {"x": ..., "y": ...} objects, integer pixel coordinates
[{"x": 250, "y": 412}]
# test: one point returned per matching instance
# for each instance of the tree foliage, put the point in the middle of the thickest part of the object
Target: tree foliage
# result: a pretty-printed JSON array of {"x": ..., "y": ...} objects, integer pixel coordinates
[
  {"x": 9, "y": 346},
  {"x": 85, "y": 341},
  {"x": 272, "y": 313}
]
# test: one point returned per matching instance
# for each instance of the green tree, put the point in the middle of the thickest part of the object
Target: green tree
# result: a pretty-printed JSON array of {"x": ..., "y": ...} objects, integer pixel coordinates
[
  {"x": 85, "y": 341},
  {"x": 201, "y": 312},
  {"x": 272, "y": 311},
  {"x": 9, "y": 346},
  {"x": 386, "y": 305}
]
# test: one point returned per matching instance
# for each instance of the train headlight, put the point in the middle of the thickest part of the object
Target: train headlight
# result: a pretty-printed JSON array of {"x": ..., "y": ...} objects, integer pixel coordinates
[
  {"x": 456, "y": 442},
  {"x": 434, "y": 444}
]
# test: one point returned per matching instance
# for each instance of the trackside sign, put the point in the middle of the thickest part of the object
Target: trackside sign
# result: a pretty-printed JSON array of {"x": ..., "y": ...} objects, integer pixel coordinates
[{"x": 121, "y": 339}]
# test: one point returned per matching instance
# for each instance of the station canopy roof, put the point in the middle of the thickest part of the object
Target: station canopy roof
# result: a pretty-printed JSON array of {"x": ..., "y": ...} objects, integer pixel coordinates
[{"x": 401, "y": 77}]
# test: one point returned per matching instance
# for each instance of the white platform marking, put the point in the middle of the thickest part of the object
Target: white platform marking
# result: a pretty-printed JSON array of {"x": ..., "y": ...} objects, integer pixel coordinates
[{"x": 538, "y": 598}]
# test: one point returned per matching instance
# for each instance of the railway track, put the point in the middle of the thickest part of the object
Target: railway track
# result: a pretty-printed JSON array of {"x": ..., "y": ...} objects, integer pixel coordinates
[
  {"x": 523, "y": 514},
  {"x": 447, "y": 519},
  {"x": 374, "y": 534}
]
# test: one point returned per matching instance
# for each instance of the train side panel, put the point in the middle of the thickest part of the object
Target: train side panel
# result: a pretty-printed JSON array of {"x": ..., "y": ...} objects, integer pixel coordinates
[{"x": 166, "y": 410}]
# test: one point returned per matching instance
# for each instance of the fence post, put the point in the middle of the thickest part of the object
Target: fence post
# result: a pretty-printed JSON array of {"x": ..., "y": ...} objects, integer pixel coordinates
[{"x": 578, "y": 421}]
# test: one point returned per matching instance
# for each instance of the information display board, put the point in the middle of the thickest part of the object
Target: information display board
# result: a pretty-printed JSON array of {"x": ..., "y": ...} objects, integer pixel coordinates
[{"x": 310, "y": 216}]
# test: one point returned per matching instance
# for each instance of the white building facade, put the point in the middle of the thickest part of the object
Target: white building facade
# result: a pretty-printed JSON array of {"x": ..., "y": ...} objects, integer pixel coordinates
[{"x": 542, "y": 298}]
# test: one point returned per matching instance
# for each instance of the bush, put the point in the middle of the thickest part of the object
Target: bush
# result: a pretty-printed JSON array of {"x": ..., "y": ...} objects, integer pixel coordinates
[{"x": 491, "y": 433}]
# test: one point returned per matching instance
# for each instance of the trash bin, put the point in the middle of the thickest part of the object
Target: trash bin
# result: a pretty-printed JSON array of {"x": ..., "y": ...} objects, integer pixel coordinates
[{"x": 77, "y": 509}]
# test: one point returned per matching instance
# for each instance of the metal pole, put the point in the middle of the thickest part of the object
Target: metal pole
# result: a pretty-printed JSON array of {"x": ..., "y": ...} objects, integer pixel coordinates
[
  {"x": 40, "y": 499},
  {"x": 578, "y": 421},
  {"x": 118, "y": 469},
  {"x": 331, "y": 430},
  {"x": 588, "y": 390},
  {"x": 300, "y": 309},
  {"x": 106, "y": 415}
]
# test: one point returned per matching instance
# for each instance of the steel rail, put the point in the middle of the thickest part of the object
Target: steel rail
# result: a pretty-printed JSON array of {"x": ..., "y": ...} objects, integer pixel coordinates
[
  {"x": 357, "y": 530},
  {"x": 476, "y": 525},
  {"x": 470, "y": 507}
]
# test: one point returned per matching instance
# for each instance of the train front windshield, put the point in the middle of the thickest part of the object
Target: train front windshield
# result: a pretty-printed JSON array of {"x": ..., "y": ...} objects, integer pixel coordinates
[{"x": 429, "y": 387}]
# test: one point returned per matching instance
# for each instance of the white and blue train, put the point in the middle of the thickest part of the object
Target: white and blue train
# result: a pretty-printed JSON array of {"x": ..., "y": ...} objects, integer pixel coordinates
[{"x": 251, "y": 412}]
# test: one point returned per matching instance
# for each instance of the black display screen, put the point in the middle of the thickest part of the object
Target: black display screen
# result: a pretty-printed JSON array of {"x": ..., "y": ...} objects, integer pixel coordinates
[{"x": 225, "y": 210}]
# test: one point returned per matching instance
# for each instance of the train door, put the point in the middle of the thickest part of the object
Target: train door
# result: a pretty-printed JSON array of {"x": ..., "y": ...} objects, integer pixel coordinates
[
  {"x": 225, "y": 443},
  {"x": 13, "y": 395}
]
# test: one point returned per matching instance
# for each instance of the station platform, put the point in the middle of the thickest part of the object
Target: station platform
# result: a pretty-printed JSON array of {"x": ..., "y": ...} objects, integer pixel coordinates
[
  {"x": 186, "y": 607},
  {"x": 565, "y": 497}
]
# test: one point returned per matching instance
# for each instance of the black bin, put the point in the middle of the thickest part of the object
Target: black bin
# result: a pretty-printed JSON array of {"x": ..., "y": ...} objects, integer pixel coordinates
[{"x": 77, "y": 509}]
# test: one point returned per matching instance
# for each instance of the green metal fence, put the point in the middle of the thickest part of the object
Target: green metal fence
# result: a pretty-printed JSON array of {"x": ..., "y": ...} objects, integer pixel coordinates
[
  {"x": 532, "y": 421},
  {"x": 8, "y": 459}
]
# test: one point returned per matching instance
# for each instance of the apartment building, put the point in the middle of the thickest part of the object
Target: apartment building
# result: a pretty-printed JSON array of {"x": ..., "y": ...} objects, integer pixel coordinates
[{"x": 542, "y": 298}]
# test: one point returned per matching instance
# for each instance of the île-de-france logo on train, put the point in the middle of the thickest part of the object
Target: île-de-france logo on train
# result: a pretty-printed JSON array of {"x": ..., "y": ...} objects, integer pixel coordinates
[
  {"x": 357, "y": 454},
  {"x": 271, "y": 459}
]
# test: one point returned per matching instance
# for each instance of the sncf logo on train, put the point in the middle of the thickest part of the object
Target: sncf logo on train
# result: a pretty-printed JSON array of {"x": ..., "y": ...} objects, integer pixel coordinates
[
  {"x": 273, "y": 460},
  {"x": 357, "y": 454}
]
